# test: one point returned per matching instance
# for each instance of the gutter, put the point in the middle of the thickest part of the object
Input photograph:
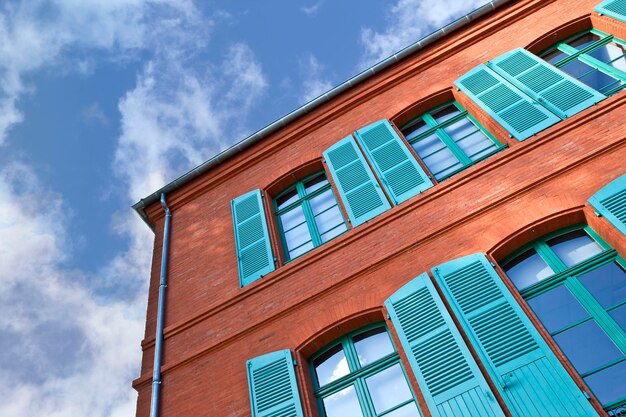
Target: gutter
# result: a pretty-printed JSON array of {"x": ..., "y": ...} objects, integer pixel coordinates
[{"x": 240, "y": 146}]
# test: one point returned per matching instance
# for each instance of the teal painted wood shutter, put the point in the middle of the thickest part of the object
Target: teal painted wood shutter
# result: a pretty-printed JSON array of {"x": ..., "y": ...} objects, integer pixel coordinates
[
  {"x": 519, "y": 114},
  {"x": 530, "y": 378},
  {"x": 254, "y": 250},
  {"x": 614, "y": 8},
  {"x": 554, "y": 89},
  {"x": 273, "y": 387},
  {"x": 401, "y": 174},
  {"x": 359, "y": 190},
  {"x": 610, "y": 202},
  {"x": 445, "y": 369}
]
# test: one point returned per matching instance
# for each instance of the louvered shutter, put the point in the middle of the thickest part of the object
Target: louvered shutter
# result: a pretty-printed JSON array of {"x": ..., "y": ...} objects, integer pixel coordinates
[
  {"x": 559, "y": 92},
  {"x": 254, "y": 251},
  {"x": 520, "y": 115},
  {"x": 400, "y": 173},
  {"x": 614, "y": 8},
  {"x": 273, "y": 387},
  {"x": 610, "y": 202},
  {"x": 359, "y": 190},
  {"x": 529, "y": 376},
  {"x": 445, "y": 369}
]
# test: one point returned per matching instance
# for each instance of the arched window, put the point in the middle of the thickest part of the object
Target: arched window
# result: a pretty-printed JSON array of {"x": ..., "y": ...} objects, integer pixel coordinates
[
  {"x": 308, "y": 215},
  {"x": 576, "y": 285},
  {"x": 447, "y": 139},
  {"x": 593, "y": 57},
  {"x": 360, "y": 375}
]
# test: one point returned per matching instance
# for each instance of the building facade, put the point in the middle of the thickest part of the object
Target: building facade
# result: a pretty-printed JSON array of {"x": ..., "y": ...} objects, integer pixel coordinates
[{"x": 444, "y": 235}]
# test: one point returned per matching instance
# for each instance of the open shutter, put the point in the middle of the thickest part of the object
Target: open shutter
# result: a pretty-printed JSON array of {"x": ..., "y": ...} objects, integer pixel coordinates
[
  {"x": 273, "y": 387},
  {"x": 529, "y": 376},
  {"x": 355, "y": 181},
  {"x": 254, "y": 251},
  {"x": 610, "y": 202},
  {"x": 520, "y": 115},
  {"x": 614, "y": 8},
  {"x": 562, "y": 94},
  {"x": 445, "y": 369},
  {"x": 401, "y": 174}
]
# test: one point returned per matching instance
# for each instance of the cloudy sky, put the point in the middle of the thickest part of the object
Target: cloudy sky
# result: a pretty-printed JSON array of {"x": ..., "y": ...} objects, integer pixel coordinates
[{"x": 102, "y": 102}]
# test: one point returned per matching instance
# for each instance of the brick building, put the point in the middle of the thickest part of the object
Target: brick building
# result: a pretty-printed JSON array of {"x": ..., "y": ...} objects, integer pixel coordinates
[{"x": 443, "y": 235}]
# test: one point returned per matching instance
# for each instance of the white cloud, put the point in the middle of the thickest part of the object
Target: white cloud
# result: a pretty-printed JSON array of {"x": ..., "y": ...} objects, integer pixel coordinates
[
  {"x": 314, "y": 83},
  {"x": 312, "y": 9},
  {"x": 408, "y": 21},
  {"x": 94, "y": 113}
]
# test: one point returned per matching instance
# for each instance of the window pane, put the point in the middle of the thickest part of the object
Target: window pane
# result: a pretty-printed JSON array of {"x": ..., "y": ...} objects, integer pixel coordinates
[
  {"x": 334, "y": 232},
  {"x": 600, "y": 81},
  {"x": 343, "y": 404},
  {"x": 609, "y": 384},
  {"x": 323, "y": 202},
  {"x": 610, "y": 52},
  {"x": 619, "y": 315},
  {"x": 436, "y": 156},
  {"x": 415, "y": 129},
  {"x": 607, "y": 284},
  {"x": 409, "y": 410},
  {"x": 587, "y": 346},
  {"x": 574, "y": 247},
  {"x": 300, "y": 250},
  {"x": 527, "y": 269},
  {"x": 577, "y": 68},
  {"x": 557, "y": 308},
  {"x": 297, "y": 236},
  {"x": 460, "y": 129},
  {"x": 292, "y": 218},
  {"x": 446, "y": 113},
  {"x": 388, "y": 388},
  {"x": 372, "y": 345},
  {"x": 287, "y": 198},
  {"x": 328, "y": 220},
  {"x": 584, "y": 41},
  {"x": 553, "y": 56},
  {"x": 476, "y": 145},
  {"x": 315, "y": 183},
  {"x": 331, "y": 365}
]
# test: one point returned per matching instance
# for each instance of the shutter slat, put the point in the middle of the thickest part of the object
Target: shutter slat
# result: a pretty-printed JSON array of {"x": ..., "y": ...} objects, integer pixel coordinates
[
  {"x": 252, "y": 240},
  {"x": 358, "y": 189},
  {"x": 610, "y": 202},
  {"x": 558, "y": 91},
  {"x": 515, "y": 354},
  {"x": 520, "y": 115},
  {"x": 273, "y": 387},
  {"x": 445, "y": 370},
  {"x": 614, "y": 8},
  {"x": 402, "y": 175}
]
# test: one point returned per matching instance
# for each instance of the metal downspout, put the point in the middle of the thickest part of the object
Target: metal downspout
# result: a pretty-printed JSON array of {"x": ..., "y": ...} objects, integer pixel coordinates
[{"x": 158, "y": 345}]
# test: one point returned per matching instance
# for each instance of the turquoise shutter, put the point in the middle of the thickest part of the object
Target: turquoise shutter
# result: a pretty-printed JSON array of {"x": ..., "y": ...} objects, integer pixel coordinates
[
  {"x": 614, "y": 8},
  {"x": 610, "y": 202},
  {"x": 401, "y": 174},
  {"x": 254, "y": 251},
  {"x": 355, "y": 181},
  {"x": 527, "y": 373},
  {"x": 273, "y": 387},
  {"x": 520, "y": 115},
  {"x": 445, "y": 369},
  {"x": 559, "y": 92}
]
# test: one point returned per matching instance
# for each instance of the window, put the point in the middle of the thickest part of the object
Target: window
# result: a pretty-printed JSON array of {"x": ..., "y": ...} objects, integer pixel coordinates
[
  {"x": 593, "y": 57},
  {"x": 360, "y": 375},
  {"x": 448, "y": 140},
  {"x": 576, "y": 285},
  {"x": 308, "y": 215}
]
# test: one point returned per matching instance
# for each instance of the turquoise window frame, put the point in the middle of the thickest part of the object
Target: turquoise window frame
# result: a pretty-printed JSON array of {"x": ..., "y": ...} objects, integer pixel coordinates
[
  {"x": 568, "y": 276},
  {"x": 438, "y": 129},
  {"x": 304, "y": 201},
  {"x": 582, "y": 55},
  {"x": 358, "y": 374}
]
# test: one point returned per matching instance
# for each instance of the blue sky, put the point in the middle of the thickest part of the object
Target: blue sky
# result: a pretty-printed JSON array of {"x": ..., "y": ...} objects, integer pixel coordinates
[{"x": 104, "y": 102}]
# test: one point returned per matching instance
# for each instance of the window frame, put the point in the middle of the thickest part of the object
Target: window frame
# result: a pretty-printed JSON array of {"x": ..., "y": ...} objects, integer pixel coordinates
[
  {"x": 575, "y": 54},
  {"x": 357, "y": 377},
  {"x": 435, "y": 128},
  {"x": 569, "y": 277},
  {"x": 304, "y": 201}
]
